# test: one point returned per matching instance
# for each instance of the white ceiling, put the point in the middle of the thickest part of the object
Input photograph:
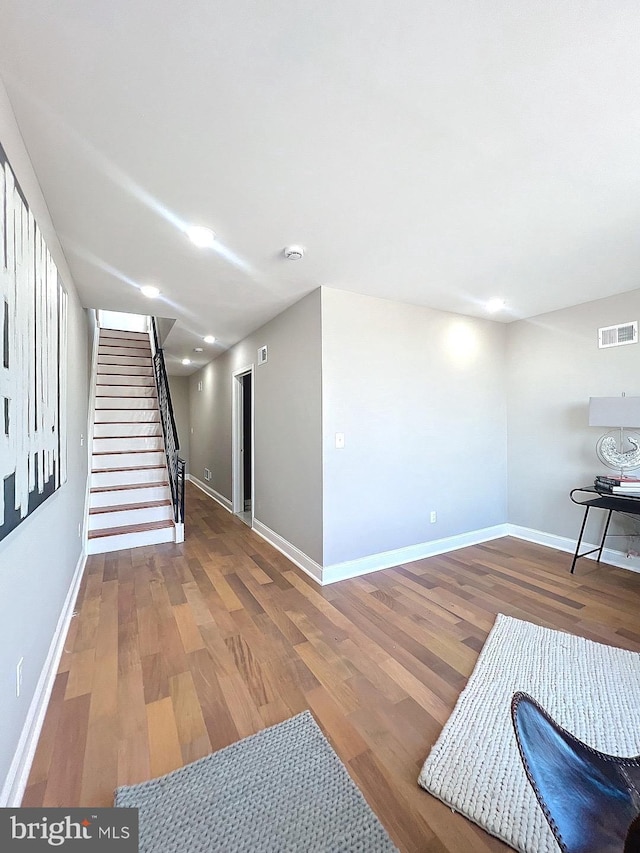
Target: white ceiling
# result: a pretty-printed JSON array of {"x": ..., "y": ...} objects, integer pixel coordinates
[{"x": 439, "y": 153}]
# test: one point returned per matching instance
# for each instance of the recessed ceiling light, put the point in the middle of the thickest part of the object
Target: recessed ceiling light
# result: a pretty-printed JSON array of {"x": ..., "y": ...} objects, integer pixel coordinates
[
  {"x": 202, "y": 237},
  {"x": 197, "y": 349},
  {"x": 150, "y": 291},
  {"x": 186, "y": 361},
  {"x": 494, "y": 305},
  {"x": 209, "y": 339}
]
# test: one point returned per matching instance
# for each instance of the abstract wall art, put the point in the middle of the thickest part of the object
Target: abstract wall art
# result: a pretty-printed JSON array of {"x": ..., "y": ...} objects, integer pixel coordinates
[{"x": 33, "y": 348}]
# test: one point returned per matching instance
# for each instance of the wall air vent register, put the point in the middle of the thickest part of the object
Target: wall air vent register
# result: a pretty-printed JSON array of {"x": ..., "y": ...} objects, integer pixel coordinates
[{"x": 617, "y": 336}]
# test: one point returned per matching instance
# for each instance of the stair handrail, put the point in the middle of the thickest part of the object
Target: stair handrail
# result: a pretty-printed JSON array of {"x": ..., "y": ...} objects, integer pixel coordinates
[{"x": 175, "y": 465}]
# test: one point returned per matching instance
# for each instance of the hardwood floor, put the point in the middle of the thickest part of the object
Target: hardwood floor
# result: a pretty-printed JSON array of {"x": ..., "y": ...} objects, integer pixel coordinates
[{"x": 177, "y": 650}]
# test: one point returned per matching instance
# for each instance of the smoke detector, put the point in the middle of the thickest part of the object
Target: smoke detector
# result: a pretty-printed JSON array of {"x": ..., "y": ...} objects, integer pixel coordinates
[{"x": 294, "y": 253}]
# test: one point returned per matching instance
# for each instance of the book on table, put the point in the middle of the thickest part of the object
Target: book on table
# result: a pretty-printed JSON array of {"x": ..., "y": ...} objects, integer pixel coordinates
[
  {"x": 611, "y": 489},
  {"x": 610, "y": 480}
]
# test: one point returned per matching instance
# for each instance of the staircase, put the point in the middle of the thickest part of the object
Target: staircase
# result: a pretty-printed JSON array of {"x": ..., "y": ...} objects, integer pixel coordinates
[{"x": 130, "y": 499}]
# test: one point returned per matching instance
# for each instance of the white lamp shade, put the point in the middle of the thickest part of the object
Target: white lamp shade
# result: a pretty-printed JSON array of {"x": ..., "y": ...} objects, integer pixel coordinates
[{"x": 614, "y": 411}]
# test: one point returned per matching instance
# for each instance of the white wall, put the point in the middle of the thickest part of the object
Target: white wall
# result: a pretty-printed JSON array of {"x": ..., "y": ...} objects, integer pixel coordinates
[
  {"x": 420, "y": 397},
  {"x": 554, "y": 367},
  {"x": 38, "y": 559},
  {"x": 179, "y": 389},
  {"x": 288, "y": 418}
]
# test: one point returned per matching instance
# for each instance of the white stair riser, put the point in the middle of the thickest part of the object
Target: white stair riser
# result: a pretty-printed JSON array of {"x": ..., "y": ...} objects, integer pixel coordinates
[
  {"x": 125, "y": 343},
  {"x": 131, "y": 429},
  {"x": 100, "y": 520},
  {"x": 126, "y": 460},
  {"x": 125, "y": 369},
  {"x": 122, "y": 478},
  {"x": 130, "y": 361},
  {"x": 140, "y": 352},
  {"x": 136, "y": 337},
  {"x": 126, "y": 390},
  {"x": 134, "y": 416},
  {"x": 121, "y": 497},
  {"x": 105, "y": 544},
  {"x": 131, "y": 443},
  {"x": 113, "y": 379},
  {"x": 109, "y": 402}
]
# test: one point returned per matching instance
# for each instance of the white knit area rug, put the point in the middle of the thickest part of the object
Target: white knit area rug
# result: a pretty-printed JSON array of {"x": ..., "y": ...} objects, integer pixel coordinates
[{"x": 591, "y": 689}]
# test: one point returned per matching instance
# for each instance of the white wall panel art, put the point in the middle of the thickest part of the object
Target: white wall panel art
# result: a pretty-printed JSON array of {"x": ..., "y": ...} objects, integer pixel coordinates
[{"x": 33, "y": 348}]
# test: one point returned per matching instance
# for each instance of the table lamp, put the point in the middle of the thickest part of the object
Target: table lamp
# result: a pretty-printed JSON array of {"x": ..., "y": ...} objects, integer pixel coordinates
[{"x": 617, "y": 448}]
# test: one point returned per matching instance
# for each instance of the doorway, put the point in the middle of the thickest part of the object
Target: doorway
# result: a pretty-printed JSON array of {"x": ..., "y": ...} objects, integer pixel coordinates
[{"x": 242, "y": 445}]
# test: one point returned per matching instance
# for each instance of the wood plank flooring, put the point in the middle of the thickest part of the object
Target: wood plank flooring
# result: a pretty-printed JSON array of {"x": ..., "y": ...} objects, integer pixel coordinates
[{"x": 177, "y": 650}]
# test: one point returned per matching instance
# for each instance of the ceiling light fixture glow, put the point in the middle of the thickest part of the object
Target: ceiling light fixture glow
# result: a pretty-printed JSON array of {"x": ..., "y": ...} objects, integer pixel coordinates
[
  {"x": 494, "y": 305},
  {"x": 186, "y": 361},
  {"x": 149, "y": 291},
  {"x": 200, "y": 236},
  {"x": 209, "y": 339}
]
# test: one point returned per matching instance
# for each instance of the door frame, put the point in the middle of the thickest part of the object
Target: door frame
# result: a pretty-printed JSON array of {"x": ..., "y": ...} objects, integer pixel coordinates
[{"x": 237, "y": 472}]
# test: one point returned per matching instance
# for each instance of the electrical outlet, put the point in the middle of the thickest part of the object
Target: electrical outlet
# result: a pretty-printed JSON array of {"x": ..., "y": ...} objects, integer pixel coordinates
[
  {"x": 339, "y": 440},
  {"x": 433, "y": 517},
  {"x": 19, "y": 677}
]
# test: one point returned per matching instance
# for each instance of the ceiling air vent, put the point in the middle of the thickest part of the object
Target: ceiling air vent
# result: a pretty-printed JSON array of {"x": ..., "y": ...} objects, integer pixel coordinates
[
  {"x": 617, "y": 336},
  {"x": 262, "y": 355}
]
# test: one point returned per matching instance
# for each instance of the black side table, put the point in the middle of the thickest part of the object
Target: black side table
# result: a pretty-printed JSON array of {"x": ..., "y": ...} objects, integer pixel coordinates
[{"x": 628, "y": 504}]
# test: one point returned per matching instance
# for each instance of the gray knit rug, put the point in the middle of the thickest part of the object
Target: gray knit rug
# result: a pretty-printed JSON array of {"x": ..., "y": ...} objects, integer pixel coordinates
[
  {"x": 283, "y": 790},
  {"x": 591, "y": 689}
]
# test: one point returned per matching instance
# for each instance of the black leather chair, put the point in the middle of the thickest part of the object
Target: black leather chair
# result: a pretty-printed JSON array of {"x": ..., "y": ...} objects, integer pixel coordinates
[{"x": 590, "y": 800}]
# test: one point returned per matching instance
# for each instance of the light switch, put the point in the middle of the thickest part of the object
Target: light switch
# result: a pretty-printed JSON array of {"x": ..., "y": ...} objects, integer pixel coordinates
[{"x": 339, "y": 440}]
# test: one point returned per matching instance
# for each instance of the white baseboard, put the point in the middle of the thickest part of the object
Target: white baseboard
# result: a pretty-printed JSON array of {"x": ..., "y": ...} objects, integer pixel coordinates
[
  {"x": 388, "y": 559},
  {"x": 375, "y": 562},
  {"x": 224, "y": 502},
  {"x": 16, "y": 781},
  {"x": 296, "y": 556},
  {"x": 564, "y": 543}
]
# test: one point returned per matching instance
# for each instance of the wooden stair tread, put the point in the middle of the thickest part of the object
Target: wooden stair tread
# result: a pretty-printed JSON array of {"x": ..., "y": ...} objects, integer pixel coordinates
[
  {"x": 97, "y": 510},
  {"x": 125, "y": 336},
  {"x": 157, "y": 485},
  {"x": 130, "y": 528}
]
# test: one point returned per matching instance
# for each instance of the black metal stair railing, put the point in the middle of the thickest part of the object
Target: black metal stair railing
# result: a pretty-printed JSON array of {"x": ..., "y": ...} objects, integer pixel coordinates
[{"x": 175, "y": 465}]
